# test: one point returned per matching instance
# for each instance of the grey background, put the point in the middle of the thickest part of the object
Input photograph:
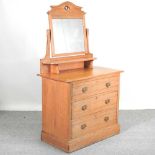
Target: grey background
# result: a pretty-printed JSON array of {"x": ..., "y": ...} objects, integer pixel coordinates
[{"x": 20, "y": 135}]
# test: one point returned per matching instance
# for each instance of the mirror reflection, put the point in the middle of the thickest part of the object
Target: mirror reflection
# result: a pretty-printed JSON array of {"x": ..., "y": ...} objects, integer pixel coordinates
[{"x": 68, "y": 35}]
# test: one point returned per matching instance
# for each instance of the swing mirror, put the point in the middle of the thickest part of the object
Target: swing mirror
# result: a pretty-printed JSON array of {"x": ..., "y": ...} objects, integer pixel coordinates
[
  {"x": 68, "y": 36},
  {"x": 68, "y": 32}
]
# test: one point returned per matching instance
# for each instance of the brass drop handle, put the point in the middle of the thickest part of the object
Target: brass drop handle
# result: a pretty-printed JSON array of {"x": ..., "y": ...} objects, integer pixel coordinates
[
  {"x": 107, "y": 101},
  {"x": 84, "y": 89},
  {"x": 108, "y": 84},
  {"x": 83, "y": 126},
  {"x": 84, "y": 107},
  {"x": 106, "y": 118}
]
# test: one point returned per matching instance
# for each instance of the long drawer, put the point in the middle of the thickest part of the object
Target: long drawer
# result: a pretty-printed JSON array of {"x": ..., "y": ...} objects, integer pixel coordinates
[
  {"x": 88, "y": 88},
  {"x": 93, "y": 122},
  {"x": 93, "y": 104}
]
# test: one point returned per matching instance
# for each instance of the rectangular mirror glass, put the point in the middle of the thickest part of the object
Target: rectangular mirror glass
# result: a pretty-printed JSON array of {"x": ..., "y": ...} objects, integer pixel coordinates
[{"x": 68, "y": 35}]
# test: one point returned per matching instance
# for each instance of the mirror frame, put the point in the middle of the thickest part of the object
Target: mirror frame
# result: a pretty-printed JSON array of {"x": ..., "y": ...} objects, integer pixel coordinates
[{"x": 67, "y": 10}]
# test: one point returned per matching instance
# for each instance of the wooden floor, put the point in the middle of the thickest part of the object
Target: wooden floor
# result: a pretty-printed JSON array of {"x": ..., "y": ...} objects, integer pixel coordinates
[{"x": 20, "y": 135}]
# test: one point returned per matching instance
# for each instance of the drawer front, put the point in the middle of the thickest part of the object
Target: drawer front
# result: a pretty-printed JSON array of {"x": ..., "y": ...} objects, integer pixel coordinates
[
  {"x": 88, "y": 88},
  {"x": 93, "y": 123},
  {"x": 93, "y": 104}
]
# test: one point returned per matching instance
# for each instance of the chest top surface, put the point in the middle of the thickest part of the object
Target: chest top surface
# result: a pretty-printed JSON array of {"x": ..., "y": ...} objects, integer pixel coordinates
[{"x": 80, "y": 74}]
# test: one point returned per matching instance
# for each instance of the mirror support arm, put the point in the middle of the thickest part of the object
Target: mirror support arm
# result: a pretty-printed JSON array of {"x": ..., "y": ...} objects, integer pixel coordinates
[
  {"x": 47, "y": 56},
  {"x": 87, "y": 41}
]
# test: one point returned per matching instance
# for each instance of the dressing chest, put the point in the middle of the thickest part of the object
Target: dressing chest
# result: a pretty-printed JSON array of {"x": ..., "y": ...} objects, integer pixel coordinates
[{"x": 80, "y": 103}]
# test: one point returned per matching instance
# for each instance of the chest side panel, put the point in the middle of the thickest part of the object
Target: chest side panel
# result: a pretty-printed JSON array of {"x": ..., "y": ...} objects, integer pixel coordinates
[{"x": 56, "y": 111}]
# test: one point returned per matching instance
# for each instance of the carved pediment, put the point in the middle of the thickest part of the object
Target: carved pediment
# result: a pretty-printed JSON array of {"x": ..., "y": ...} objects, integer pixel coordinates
[{"x": 66, "y": 10}]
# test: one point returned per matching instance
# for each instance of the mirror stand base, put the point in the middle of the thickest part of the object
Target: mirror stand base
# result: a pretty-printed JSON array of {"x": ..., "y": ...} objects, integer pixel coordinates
[{"x": 56, "y": 67}]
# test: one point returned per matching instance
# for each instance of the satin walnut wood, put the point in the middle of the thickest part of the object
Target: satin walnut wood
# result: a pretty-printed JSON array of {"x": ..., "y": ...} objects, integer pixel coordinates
[{"x": 79, "y": 110}]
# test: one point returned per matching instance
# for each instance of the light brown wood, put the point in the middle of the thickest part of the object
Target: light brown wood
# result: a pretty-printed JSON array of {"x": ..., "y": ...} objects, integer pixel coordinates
[
  {"x": 48, "y": 138},
  {"x": 93, "y": 137},
  {"x": 67, "y": 66},
  {"x": 80, "y": 103},
  {"x": 66, "y": 122},
  {"x": 86, "y": 33},
  {"x": 64, "y": 59},
  {"x": 79, "y": 75},
  {"x": 95, "y": 86},
  {"x": 52, "y": 51},
  {"x": 47, "y": 56},
  {"x": 71, "y": 12},
  {"x": 56, "y": 63},
  {"x": 94, "y": 122},
  {"x": 71, "y": 62},
  {"x": 53, "y": 69},
  {"x": 59, "y": 11},
  {"x": 63, "y": 65},
  {"x": 44, "y": 69},
  {"x": 83, "y": 141},
  {"x": 99, "y": 102},
  {"x": 56, "y": 108}
]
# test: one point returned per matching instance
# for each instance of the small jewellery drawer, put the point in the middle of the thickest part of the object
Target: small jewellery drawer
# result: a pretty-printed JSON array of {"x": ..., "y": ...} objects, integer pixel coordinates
[
  {"x": 87, "y": 88},
  {"x": 93, "y": 123},
  {"x": 93, "y": 104}
]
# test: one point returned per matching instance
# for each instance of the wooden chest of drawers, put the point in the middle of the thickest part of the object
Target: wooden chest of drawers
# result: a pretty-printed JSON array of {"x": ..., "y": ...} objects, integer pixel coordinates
[{"x": 79, "y": 107}]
